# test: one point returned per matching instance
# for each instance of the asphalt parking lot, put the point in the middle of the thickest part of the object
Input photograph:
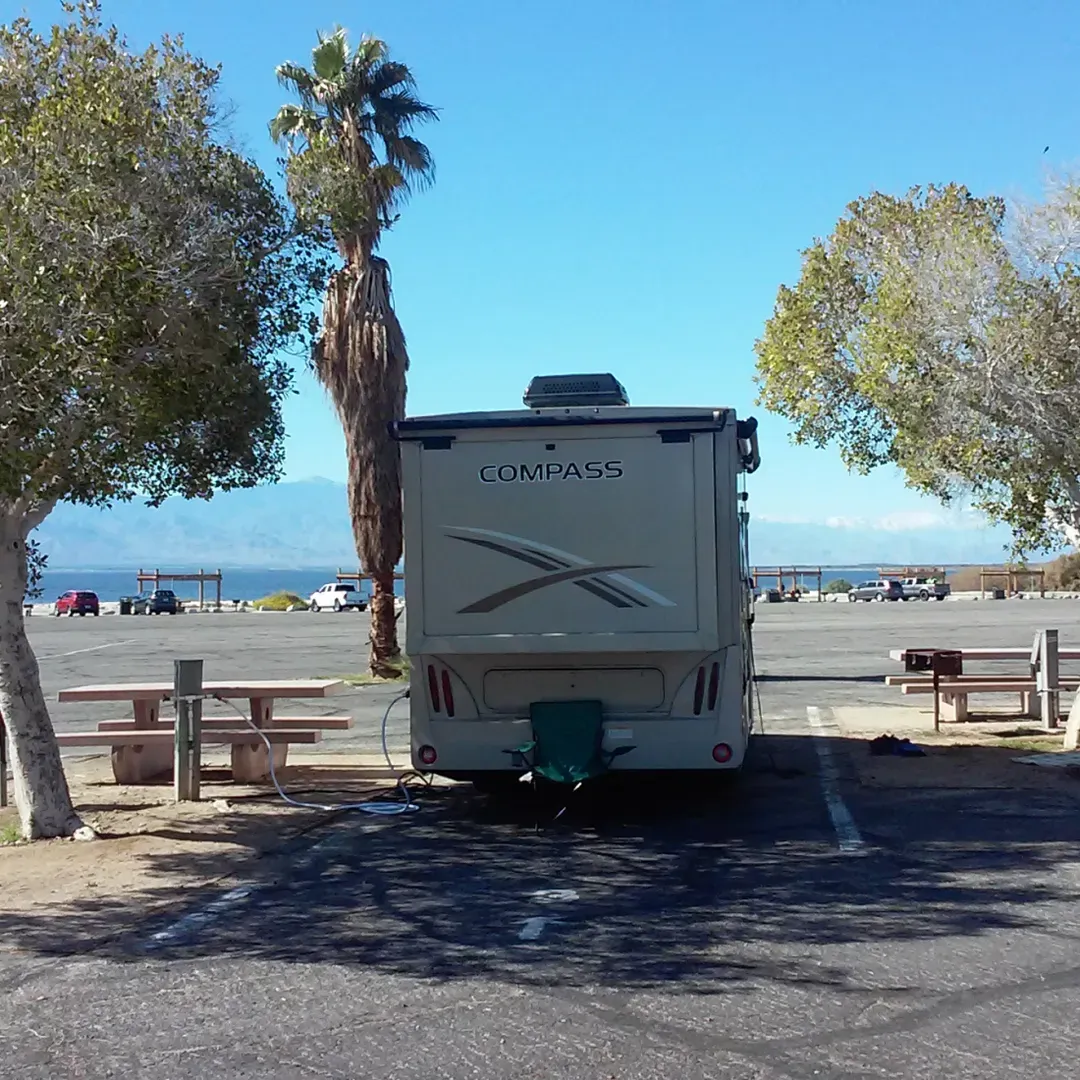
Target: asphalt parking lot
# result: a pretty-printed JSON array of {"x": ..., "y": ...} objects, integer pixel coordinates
[
  {"x": 654, "y": 931},
  {"x": 114, "y": 648},
  {"x": 808, "y": 653}
]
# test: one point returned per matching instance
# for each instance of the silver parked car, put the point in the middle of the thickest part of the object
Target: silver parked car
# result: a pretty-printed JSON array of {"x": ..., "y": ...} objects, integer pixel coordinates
[{"x": 877, "y": 590}]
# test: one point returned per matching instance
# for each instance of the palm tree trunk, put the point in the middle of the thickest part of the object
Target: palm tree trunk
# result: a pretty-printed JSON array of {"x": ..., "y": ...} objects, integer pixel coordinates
[
  {"x": 361, "y": 360},
  {"x": 385, "y": 657}
]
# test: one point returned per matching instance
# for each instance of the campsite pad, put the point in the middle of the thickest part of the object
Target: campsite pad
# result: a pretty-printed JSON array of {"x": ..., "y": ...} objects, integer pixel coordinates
[
  {"x": 965, "y": 767},
  {"x": 153, "y": 850},
  {"x": 969, "y": 756}
]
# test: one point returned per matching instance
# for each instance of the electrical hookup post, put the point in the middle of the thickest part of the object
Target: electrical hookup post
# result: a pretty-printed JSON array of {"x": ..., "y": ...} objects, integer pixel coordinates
[
  {"x": 187, "y": 701},
  {"x": 1044, "y": 659}
]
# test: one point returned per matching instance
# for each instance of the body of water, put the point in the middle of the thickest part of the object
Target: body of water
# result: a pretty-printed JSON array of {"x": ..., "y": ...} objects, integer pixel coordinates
[
  {"x": 251, "y": 583},
  {"x": 241, "y": 584}
]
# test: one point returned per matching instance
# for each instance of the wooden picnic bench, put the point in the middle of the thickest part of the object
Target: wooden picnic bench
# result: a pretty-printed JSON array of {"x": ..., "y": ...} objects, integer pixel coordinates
[
  {"x": 955, "y": 690},
  {"x": 142, "y": 747}
]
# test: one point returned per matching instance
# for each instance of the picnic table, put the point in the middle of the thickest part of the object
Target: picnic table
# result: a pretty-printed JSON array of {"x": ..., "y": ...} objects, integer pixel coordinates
[
  {"x": 142, "y": 747},
  {"x": 955, "y": 691}
]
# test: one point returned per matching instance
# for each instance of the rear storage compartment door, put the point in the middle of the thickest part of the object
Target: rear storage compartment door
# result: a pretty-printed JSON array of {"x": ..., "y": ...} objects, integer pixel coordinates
[{"x": 565, "y": 536}]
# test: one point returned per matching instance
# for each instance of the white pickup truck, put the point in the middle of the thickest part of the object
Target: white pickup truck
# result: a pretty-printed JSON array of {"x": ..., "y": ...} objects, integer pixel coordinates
[
  {"x": 921, "y": 588},
  {"x": 336, "y": 596}
]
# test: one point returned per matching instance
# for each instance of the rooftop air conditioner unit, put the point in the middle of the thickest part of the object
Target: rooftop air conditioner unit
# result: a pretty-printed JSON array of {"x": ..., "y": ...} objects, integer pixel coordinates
[{"x": 569, "y": 391}]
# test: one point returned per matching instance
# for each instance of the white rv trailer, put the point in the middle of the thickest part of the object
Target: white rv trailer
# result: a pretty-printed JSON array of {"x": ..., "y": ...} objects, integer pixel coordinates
[{"x": 578, "y": 549}]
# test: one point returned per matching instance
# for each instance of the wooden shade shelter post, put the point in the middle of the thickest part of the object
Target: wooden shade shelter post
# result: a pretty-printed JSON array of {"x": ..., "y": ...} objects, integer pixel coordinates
[
  {"x": 1012, "y": 576},
  {"x": 202, "y": 577},
  {"x": 783, "y": 572}
]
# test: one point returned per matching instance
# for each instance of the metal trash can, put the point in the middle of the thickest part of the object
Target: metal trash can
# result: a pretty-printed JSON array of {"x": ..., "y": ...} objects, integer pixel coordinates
[{"x": 125, "y": 605}]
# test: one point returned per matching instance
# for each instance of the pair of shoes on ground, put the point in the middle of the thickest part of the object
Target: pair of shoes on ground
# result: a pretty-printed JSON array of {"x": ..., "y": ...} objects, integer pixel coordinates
[{"x": 890, "y": 745}]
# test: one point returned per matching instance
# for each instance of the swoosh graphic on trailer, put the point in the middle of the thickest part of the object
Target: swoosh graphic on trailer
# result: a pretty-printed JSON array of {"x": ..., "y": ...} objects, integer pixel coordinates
[
  {"x": 612, "y": 594},
  {"x": 536, "y": 548},
  {"x": 504, "y": 596}
]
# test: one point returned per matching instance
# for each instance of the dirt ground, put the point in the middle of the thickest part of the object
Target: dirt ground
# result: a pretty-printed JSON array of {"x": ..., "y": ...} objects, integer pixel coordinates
[
  {"x": 153, "y": 850},
  {"x": 973, "y": 755}
]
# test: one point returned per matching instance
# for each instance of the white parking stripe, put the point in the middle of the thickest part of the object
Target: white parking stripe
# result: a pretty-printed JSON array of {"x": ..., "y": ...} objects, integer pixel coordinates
[
  {"x": 847, "y": 832},
  {"x": 93, "y": 648}
]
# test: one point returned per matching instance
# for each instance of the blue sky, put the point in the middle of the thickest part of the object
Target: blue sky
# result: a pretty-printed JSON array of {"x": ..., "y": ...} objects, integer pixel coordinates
[{"x": 623, "y": 186}]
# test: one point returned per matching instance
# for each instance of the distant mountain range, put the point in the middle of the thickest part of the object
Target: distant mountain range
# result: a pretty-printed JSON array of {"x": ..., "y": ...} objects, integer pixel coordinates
[
  {"x": 775, "y": 542},
  {"x": 306, "y": 523}
]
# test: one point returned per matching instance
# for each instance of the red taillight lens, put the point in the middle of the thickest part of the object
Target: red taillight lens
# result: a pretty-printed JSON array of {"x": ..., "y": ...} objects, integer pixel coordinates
[
  {"x": 722, "y": 753},
  {"x": 448, "y": 693},
  {"x": 433, "y": 688},
  {"x": 427, "y": 755},
  {"x": 699, "y": 691},
  {"x": 714, "y": 685}
]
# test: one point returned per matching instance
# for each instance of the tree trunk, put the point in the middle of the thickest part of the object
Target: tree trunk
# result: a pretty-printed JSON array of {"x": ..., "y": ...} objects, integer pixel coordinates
[
  {"x": 383, "y": 649},
  {"x": 41, "y": 790},
  {"x": 385, "y": 653},
  {"x": 362, "y": 361}
]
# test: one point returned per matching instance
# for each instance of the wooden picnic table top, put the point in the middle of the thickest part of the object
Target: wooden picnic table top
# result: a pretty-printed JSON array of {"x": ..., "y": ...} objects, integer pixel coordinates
[
  {"x": 1022, "y": 652},
  {"x": 157, "y": 691}
]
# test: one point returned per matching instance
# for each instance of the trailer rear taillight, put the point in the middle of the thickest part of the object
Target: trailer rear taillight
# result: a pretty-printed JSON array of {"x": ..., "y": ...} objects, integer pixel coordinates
[
  {"x": 699, "y": 691},
  {"x": 722, "y": 753},
  {"x": 433, "y": 688},
  {"x": 427, "y": 755},
  {"x": 448, "y": 693},
  {"x": 714, "y": 685}
]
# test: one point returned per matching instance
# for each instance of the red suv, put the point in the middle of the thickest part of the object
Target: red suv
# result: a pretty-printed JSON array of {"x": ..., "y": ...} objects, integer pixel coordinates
[{"x": 75, "y": 602}]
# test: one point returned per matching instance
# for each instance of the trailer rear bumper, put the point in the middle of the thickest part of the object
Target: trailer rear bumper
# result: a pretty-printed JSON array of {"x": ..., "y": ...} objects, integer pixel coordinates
[{"x": 661, "y": 744}]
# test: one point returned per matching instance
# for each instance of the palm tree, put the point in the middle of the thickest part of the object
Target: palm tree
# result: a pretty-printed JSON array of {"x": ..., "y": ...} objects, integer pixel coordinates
[{"x": 352, "y": 165}]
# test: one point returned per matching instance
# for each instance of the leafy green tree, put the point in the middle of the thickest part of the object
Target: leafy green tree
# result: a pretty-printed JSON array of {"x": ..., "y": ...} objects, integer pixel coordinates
[
  {"x": 36, "y": 560},
  {"x": 149, "y": 279},
  {"x": 352, "y": 165},
  {"x": 838, "y": 585},
  {"x": 940, "y": 333}
]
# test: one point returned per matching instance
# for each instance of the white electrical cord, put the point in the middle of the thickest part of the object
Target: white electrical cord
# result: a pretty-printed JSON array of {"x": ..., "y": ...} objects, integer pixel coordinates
[{"x": 371, "y": 807}]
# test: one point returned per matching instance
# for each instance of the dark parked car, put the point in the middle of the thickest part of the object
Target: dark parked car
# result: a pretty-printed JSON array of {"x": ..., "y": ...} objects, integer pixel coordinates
[
  {"x": 877, "y": 590},
  {"x": 158, "y": 602},
  {"x": 76, "y": 602}
]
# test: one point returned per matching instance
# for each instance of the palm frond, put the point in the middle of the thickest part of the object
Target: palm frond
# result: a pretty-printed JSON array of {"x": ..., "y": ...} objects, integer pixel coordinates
[
  {"x": 292, "y": 120},
  {"x": 330, "y": 57},
  {"x": 369, "y": 51},
  {"x": 297, "y": 78},
  {"x": 389, "y": 75},
  {"x": 403, "y": 110},
  {"x": 412, "y": 158}
]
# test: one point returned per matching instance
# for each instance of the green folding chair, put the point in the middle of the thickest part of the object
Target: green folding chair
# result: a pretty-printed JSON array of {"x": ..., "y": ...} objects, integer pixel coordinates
[{"x": 567, "y": 746}]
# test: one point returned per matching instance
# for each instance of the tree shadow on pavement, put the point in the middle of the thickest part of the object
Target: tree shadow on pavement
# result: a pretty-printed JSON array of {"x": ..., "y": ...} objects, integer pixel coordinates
[{"x": 636, "y": 885}]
